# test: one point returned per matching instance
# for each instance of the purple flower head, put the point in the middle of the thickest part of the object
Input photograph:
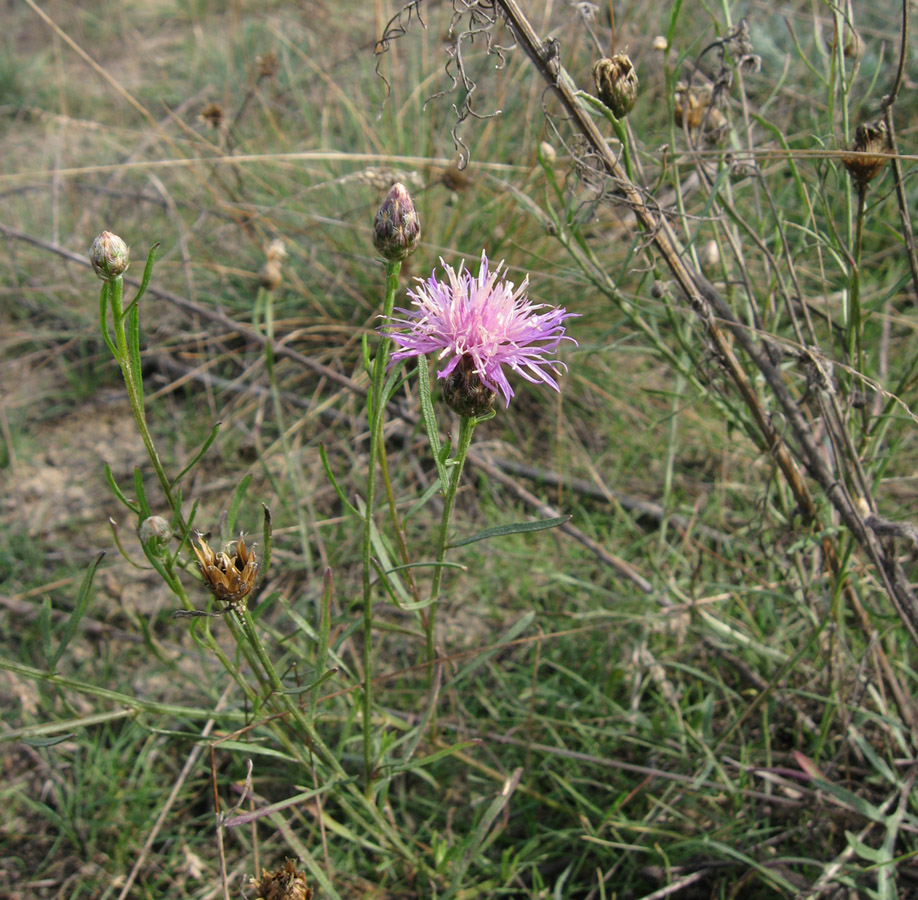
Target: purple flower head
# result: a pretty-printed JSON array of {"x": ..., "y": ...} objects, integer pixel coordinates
[{"x": 485, "y": 318}]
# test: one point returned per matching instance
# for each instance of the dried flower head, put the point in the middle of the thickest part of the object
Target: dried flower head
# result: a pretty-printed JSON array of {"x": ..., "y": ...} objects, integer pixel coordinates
[
  {"x": 267, "y": 65},
  {"x": 270, "y": 275},
  {"x": 485, "y": 318},
  {"x": 693, "y": 107},
  {"x": 396, "y": 229},
  {"x": 870, "y": 153},
  {"x": 284, "y": 883},
  {"x": 616, "y": 83},
  {"x": 214, "y": 115},
  {"x": 109, "y": 256},
  {"x": 229, "y": 575},
  {"x": 456, "y": 179}
]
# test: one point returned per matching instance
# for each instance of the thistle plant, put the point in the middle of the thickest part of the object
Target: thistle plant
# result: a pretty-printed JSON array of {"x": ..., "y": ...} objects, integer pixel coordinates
[{"x": 482, "y": 326}]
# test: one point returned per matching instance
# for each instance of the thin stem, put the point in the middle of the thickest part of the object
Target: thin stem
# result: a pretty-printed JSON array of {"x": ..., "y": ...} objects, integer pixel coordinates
[
  {"x": 135, "y": 395},
  {"x": 375, "y": 416},
  {"x": 466, "y": 427}
]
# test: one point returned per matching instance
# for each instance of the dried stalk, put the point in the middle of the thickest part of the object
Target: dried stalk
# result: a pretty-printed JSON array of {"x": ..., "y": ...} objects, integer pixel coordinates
[{"x": 716, "y": 316}]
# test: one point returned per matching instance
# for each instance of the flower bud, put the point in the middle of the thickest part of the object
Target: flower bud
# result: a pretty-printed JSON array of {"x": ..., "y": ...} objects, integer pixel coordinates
[
  {"x": 871, "y": 144},
  {"x": 155, "y": 532},
  {"x": 465, "y": 393},
  {"x": 109, "y": 256},
  {"x": 397, "y": 229},
  {"x": 616, "y": 83}
]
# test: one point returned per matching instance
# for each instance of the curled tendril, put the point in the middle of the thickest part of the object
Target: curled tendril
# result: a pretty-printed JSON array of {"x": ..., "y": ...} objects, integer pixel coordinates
[{"x": 471, "y": 21}]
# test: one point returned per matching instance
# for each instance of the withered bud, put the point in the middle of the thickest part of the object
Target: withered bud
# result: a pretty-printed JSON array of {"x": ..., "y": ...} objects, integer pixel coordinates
[
  {"x": 871, "y": 148},
  {"x": 156, "y": 532},
  {"x": 693, "y": 107},
  {"x": 616, "y": 83},
  {"x": 464, "y": 391},
  {"x": 284, "y": 883},
  {"x": 109, "y": 256},
  {"x": 229, "y": 575},
  {"x": 397, "y": 229},
  {"x": 456, "y": 179},
  {"x": 214, "y": 115},
  {"x": 267, "y": 64},
  {"x": 270, "y": 275}
]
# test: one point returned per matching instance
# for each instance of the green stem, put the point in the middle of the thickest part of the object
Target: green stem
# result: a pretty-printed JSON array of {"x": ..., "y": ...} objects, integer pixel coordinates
[
  {"x": 134, "y": 388},
  {"x": 375, "y": 417},
  {"x": 466, "y": 427}
]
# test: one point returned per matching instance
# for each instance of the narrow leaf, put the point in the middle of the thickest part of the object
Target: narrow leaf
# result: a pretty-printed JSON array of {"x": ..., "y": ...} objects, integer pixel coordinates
[
  {"x": 516, "y": 528},
  {"x": 103, "y": 318},
  {"x": 145, "y": 511},
  {"x": 133, "y": 340},
  {"x": 147, "y": 274},
  {"x": 49, "y": 742},
  {"x": 233, "y": 510},
  {"x": 334, "y": 483},
  {"x": 430, "y": 421},
  {"x": 44, "y": 625},
  {"x": 204, "y": 448},
  {"x": 110, "y": 478},
  {"x": 82, "y": 600}
]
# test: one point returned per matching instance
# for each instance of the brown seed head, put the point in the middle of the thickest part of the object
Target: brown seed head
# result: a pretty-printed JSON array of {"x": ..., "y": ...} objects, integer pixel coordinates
[
  {"x": 267, "y": 64},
  {"x": 214, "y": 115},
  {"x": 871, "y": 148},
  {"x": 109, "y": 256},
  {"x": 616, "y": 83},
  {"x": 229, "y": 575},
  {"x": 284, "y": 883},
  {"x": 397, "y": 229},
  {"x": 271, "y": 275},
  {"x": 464, "y": 391}
]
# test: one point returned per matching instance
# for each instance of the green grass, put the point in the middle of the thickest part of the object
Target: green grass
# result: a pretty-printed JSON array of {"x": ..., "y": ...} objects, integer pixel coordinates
[{"x": 732, "y": 733}]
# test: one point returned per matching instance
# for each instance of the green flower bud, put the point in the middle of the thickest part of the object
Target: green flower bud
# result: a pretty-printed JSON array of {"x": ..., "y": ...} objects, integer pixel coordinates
[
  {"x": 616, "y": 83},
  {"x": 397, "y": 229},
  {"x": 109, "y": 256},
  {"x": 155, "y": 532}
]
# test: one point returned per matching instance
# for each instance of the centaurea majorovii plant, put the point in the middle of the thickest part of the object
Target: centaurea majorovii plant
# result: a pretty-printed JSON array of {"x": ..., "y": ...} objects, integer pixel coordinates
[{"x": 482, "y": 326}]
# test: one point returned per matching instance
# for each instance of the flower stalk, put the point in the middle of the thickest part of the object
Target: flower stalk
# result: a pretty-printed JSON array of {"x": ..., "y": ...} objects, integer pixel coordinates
[{"x": 396, "y": 234}]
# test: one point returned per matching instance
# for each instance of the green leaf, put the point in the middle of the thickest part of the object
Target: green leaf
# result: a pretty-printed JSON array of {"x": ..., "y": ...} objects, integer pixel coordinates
[
  {"x": 673, "y": 19},
  {"x": 233, "y": 511},
  {"x": 49, "y": 742},
  {"x": 430, "y": 421},
  {"x": 478, "y": 836},
  {"x": 266, "y": 539},
  {"x": 145, "y": 511},
  {"x": 44, "y": 625},
  {"x": 516, "y": 528},
  {"x": 103, "y": 318},
  {"x": 328, "y": 673},
  {"x": 204, "y": 448},
  {"x": 147, "y": 274},
  {"x": 110, "y": 478},
  {"x": 133, "y": 341},
  {"x": 334, "y": 483},
  {"x": 398, "y": 768},
  {"x": 82, "y": 600}
]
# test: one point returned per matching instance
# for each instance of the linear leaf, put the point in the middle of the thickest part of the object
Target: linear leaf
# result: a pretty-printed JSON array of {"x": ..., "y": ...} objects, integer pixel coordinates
[{"x": 515, "y": 528}]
